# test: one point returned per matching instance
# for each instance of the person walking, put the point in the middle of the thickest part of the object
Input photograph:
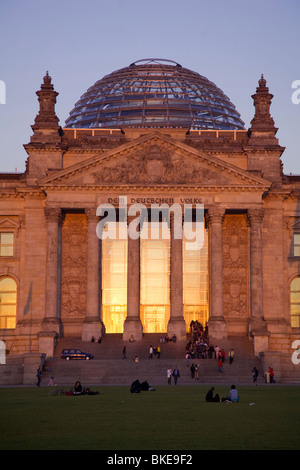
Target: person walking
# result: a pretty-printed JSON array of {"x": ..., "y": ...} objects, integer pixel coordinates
[
  {"x": 39, "y": 376},
  {"x": 187, "y": 358},
  {"x": 151, "y": 352},
  {"x": 272, "y": 378},
  {"x": 231, "y": 355},
  {"x": 169, "y": 375},
  {"x": 51, "y": 381},
  {"x": 254, "y": 375},
  {"x": 220, "y": 365},
  {"x": 124, "y": 353},
  {"x": 176, "y": 375}
]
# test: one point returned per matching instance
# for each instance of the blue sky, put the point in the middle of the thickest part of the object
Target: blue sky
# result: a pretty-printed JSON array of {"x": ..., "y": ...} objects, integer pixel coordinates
[{"x": 230, "y": 42}]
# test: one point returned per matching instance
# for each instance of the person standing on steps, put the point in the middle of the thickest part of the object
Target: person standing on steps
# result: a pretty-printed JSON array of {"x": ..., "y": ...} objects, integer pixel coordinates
[
  {"x": 169, "y": 375},
  {"x": 176, "y": 375},
  {"x": 151, "y": 352},
  {"x": 39, "y": 376},
  {"x": 220, "y": 365},
  {"x": 231, "y": 355}
]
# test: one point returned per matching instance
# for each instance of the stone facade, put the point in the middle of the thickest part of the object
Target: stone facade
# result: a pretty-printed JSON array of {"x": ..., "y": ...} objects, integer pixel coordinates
[{"x": 251, "y": 208}]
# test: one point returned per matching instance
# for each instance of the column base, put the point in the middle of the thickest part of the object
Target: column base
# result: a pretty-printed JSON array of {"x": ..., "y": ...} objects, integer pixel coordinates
[
  {"x": 260, "y": 336},
  {"x": 177, "y": 326},
  {"x": 50, "y": 325},
  {"x": 31, "y": 362},
  {"x": 272, "y": 359},
  {"x": 217, "y": 330},
  {"x": 133, "y": 328},
  {"x": 47, "y": 342},
  {"x": 92, "y": 327}
]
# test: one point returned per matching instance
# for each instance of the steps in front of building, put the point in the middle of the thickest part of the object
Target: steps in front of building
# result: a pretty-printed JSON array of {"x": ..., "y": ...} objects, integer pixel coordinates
[
  {"x": 108, "y": 367},
  {"x": 124, "y": 372},
  {"x": 112, "y": 346}
]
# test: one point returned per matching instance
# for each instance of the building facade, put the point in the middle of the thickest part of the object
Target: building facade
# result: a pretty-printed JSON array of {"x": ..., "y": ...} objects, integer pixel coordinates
[{"x": 58, "y": 277}]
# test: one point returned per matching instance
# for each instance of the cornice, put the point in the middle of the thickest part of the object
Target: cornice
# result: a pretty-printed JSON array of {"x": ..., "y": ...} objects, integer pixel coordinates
[
  {"x": 153, "y": 187},
  {"x": 168, "y": 145}
]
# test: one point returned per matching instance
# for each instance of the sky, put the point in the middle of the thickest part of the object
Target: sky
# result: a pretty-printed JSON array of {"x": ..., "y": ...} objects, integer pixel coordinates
[{"x": 229, "y": 42}]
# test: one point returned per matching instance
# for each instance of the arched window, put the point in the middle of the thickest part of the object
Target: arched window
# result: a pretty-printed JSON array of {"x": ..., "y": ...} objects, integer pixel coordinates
[
  {"x": 8, "y": 302},
  {"x": 295, "y": 302}
]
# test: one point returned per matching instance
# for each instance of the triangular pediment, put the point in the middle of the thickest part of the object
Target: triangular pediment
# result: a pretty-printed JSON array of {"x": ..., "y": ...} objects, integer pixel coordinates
[{"x": 154, "y": 159}]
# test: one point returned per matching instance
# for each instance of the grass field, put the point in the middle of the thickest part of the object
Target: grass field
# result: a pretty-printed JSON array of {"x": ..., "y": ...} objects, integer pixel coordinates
[{"x": 169, "y": 418}]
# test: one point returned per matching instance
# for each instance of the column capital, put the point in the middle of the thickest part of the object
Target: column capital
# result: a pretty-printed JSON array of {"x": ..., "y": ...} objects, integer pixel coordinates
[
  {"x": 255, "y": 215},
  {"x": 176, "y": 225},
  {"x": 52, "y": 214},
  {"x": 216, "y": 214},
  {"x": 91, "y": 214}
]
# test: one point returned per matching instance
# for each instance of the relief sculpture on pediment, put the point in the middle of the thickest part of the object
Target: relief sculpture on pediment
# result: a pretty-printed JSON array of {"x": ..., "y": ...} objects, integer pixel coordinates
[{"x": 154, "y": 165}]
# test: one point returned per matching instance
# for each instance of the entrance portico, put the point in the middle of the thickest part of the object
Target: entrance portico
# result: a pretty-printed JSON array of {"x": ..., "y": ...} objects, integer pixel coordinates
[{"x": 135, "y": 285}]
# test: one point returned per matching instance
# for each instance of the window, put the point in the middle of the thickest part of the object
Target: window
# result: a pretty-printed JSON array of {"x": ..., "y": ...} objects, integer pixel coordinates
[
  {"x": 297, "y": 244},
  {"x": 295, "y": 302},
  {"x": 6, "y": 244},
  {"x": 8, "y": 303},
  {"x": 155, "y": 277},
  {"x": 195, "y": 283}
]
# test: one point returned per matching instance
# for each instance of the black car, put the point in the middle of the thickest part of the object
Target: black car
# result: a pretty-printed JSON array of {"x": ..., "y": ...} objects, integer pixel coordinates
[{"x": 75, "y": 354}]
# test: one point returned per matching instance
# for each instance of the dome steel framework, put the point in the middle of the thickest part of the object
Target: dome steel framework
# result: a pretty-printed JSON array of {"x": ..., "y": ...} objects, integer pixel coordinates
[{"x": 154, "y": 93}]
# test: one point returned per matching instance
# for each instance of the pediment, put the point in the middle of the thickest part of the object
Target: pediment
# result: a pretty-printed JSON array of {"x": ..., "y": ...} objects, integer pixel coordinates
[{"x": 154, "y": 160}]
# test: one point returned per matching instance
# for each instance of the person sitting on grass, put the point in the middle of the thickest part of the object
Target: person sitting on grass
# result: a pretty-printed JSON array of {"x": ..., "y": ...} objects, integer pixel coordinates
[
  {"x": 233, "y": 395},
  {"x": 77, "y": 388},
  {"x": 210, "y": 396}
]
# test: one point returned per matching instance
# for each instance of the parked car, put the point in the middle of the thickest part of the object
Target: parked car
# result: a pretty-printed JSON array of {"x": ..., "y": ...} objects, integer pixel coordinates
[{"x": 68, "y": 354}]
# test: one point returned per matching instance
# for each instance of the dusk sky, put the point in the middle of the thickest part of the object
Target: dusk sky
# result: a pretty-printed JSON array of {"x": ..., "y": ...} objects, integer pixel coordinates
[{"x": 230, "y": 42}]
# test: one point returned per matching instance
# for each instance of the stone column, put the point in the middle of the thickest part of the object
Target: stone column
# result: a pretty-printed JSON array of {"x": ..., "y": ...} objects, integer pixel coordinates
[
  {"x": 50, "y": 327},
  {"x": 176, "y": 323},
  {"x": 92, "y": 325},
  {"x": 216, "y": 324},
  {"x": 257, "y": 326},
  {"x": 133, "y": 325}
]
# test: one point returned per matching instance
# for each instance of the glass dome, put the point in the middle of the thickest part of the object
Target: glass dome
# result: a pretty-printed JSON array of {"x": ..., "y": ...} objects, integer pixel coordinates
[{"x": 154, "y": 93}]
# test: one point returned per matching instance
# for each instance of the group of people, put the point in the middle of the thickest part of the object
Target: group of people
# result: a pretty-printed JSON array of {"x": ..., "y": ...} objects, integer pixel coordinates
[
  {"x": 79, "y": 390},
  {"x": 154, "y": 351},
  {"x": 233, "y": 396},
  {"x": 168, "y": 339},
  {"x": 198, "y": 349},
  {"x": 198, "y": 331},
  {"x": 173, "y": 374},
  {"x": 194, "y": 371},
  {"x": 93, "y": 340}
]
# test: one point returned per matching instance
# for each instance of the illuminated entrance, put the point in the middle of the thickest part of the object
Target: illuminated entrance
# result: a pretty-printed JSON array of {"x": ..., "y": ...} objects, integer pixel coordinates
[
  {"x": 155, "y": 277},
  {"x": 195, "y": 283},
  {"x": 114, "y": 284},
  {"x": 155, "y": 273}
]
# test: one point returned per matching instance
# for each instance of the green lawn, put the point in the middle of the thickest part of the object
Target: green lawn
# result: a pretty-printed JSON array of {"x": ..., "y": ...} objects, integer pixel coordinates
[{"x": 169, "y": 418}]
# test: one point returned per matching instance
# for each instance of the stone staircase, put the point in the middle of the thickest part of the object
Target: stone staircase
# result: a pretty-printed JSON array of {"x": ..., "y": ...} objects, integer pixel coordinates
[{"x": 109, "y": 368}]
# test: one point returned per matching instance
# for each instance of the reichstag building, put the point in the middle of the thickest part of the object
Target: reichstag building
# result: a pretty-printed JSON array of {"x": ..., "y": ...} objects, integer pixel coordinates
[{"x": 157, "y": 135}]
